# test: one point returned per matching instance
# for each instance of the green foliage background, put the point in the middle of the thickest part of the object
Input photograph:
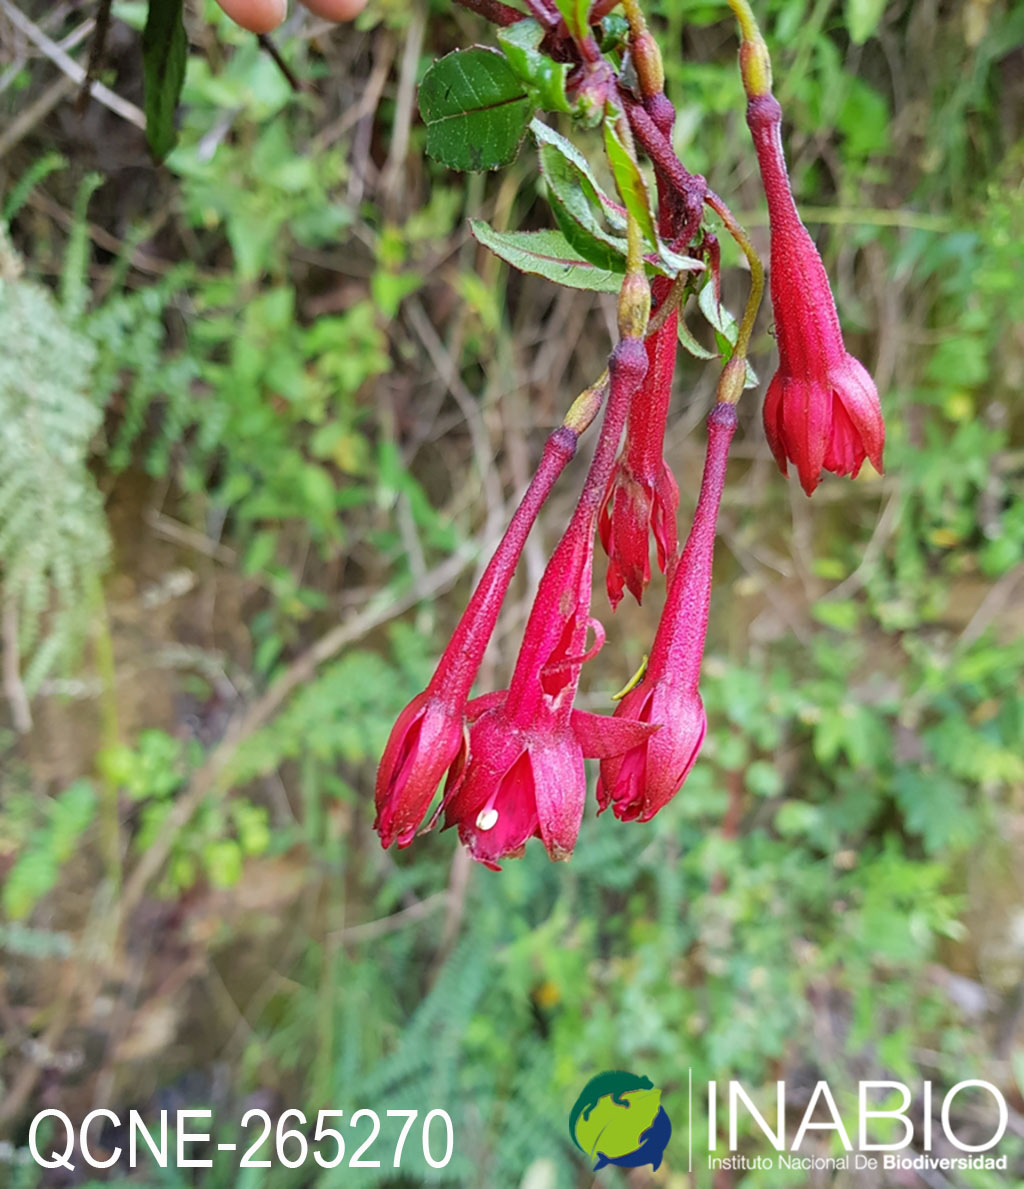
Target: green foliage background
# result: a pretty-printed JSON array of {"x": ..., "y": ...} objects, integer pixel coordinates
[{"x": 281, "y": 406}]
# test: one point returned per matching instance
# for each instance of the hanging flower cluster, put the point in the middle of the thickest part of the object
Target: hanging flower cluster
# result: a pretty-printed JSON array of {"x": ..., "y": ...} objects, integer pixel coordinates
[{"x": 510, "y": 764}]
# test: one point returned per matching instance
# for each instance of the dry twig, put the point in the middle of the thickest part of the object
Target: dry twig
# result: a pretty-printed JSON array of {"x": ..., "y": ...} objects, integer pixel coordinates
[{"x": 65, "y": 63}]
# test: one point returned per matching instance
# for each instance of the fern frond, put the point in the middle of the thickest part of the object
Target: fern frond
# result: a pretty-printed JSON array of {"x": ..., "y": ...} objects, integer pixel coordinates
[
  {"x": 129, "y": 334},
  {"x": 23, "y": 187},
  {"x": 53, "y": 532},
  {"x": 74, "y": 288}
]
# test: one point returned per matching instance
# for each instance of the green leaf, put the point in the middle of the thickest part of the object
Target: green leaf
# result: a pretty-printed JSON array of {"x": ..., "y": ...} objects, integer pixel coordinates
[
  {"x": 548, "y": 138},
  {"x": 577, "y": 17},
  {"x": 690, "y": 345},
  {"x": 222, "y": 860},
  {"x": 843, "y": 616},
  {"x": 575, "y": 201},
  {"x": 763, "y": 779},
  {"x": 671, "y": 264},
  {"x": 796, "y": 817},
  {"x": 864, "y": 121},
  {"x": 593, "y": 244},
  {"x": 33, "y": 875},
  {"x": 935, "y": 807},
  {"x": 725, "y": 328},
  {"x": 862, "y": 17},
  {"x": 579, "y": 203},
  {"x": 614, "y": 33},
  {"x": 164, "y": 52},
  {"x": 521, "y": 43},
  {"x": 475, "y": 108},
  {"x": 546, "y": 254},
  {"x": 70, "y": 815},
  {"x": 630, "y": 182},
  {"x": 37, "y": 867}
]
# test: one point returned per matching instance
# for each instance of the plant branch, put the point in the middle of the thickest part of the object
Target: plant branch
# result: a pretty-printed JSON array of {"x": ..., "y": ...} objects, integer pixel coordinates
[
  {"x": 63, "y": 61},
  {"x": 494, "y": 11},
  {"x": 545, "y": 13},
  {"x": 755, "y": 63},
  {"x": 672, "y": 300},
  {"x": 691, "y": 187},
  {"x": 292, "y": 78},
  {"x": 96, "y": 52}
]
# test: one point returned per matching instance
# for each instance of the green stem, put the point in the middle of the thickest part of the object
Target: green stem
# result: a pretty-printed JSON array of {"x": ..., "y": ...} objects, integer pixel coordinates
[
  {"x": 755, "y": 64},
  {"x": 635, "y": 295},
  {"x": 103, "y": 653},
  {"x": 644, "y": 50},
  {"x": 672, "y": 300},
  {"x": 756, "y": 272}
]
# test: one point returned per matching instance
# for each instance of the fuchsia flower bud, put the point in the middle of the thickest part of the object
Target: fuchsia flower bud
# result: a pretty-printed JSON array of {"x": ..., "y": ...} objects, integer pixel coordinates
[
  {"x": 525, "y": 777},
  {"x": 645, "y": 778},
  {"x": 430, "y": 737},
  {"x": 822, "y": 408},
  {"x": 642, "y": 495},
  {"x": 588, "y": 88}
]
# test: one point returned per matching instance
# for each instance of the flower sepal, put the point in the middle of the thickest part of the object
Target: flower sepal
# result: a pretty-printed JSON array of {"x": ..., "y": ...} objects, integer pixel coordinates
[
  {"x": 428, "y": 739},
  {"x": 602, "y": 736}
]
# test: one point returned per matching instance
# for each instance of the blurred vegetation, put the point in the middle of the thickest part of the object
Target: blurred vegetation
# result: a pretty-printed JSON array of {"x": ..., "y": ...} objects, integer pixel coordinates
[{"x": 266, "y": 409}]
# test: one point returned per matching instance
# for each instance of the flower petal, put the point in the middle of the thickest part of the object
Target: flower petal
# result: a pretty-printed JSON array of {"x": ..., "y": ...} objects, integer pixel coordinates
[
  {"x": 622, "y": 776},
  {"x": 845, "y": 454},
  {"x": 502, "y": 826},
  {"x": 477, "y": 707},
  {"x": 859, "y": 396},
  {"x": 427, "y": 739},
  {"x": 560, "y": 790},
  {"x": 806, "y": 424},
  {"x": 494, "y": 748},
  {"x": 772, "y": 417}
]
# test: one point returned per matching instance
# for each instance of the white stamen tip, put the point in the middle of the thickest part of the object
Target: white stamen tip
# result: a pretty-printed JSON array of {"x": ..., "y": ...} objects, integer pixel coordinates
[{"x": 486, "y": 819}]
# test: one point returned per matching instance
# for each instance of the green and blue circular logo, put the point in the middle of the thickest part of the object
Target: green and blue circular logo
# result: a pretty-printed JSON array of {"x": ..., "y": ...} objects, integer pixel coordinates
[{"x": 618, "y": 1119}]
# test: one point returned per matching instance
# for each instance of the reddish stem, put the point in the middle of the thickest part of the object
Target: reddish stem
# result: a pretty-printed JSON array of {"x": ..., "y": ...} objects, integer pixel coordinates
[
  {"x": 645, "y": 438},
  {"x": 791, "y": 240},
  {"x": 562, "y": 578},
  {"x": 457, "y": 668},
  {"x": 590, "y": 51},
  {"x": 678, "y": 647},
  {"x": 663, "y": 114},
  {"x": 494, "y": 11},
  {"x": 545, "y": 13},
  {"x": 690, "y": 187}
]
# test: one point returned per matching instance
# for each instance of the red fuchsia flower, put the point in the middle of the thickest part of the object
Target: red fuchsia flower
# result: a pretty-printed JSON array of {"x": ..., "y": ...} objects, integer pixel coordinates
[
  {"x": 644, "y": 779},
  {"x": 431, "y": 736},
  {"x": 642, "y": 496},
  {"x": 525, "y": 776},
  {"x": 822, "y": 408}
]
